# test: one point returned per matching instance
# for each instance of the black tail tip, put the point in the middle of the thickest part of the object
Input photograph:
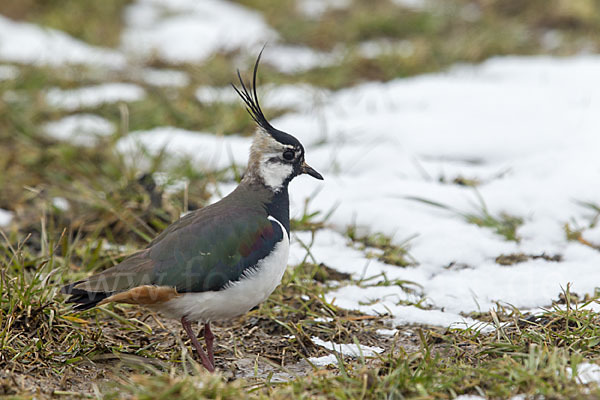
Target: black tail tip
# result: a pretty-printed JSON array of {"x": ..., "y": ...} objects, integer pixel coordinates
[{"x": 83, "y": 299}]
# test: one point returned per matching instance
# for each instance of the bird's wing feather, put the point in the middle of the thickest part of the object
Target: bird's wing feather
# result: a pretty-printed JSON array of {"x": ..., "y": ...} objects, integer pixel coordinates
[
  {"x": 135, "y": 270},
  {"x": 200, "y": 253},
  {"x": 203, "y": 257}
]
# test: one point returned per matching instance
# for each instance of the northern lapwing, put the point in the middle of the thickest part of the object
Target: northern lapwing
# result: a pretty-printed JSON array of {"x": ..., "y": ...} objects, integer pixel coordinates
[{"x": 222, "y": 260}]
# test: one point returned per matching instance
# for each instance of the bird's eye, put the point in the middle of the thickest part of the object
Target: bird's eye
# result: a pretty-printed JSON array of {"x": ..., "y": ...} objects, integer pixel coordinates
[{"x": 288, "y": 155}]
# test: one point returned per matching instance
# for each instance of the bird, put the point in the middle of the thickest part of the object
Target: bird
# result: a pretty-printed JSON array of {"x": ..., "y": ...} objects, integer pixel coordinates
[{"x": 220, "y": 261}]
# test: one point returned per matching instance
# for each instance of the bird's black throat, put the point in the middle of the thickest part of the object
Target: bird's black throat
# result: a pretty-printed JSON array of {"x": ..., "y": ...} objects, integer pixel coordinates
[{"x": 279, "y": 207}]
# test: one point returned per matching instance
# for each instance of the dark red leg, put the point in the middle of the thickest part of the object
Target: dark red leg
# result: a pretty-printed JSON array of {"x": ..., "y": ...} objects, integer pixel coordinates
[
  {"x": 209, "y": 339},
  {"x": 187, "y": 326}
]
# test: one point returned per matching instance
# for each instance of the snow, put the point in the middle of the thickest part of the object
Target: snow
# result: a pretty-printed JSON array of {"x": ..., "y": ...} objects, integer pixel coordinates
[
  {"x": 414, "y": 4},
  {"x": 212, "y": 152},
  {"x": 533, "y": 119},
  {"x": 211, "y": 94},
  {"x": 353, "y": 350},
  {"x": 386, "y": 332},
  {"x": 5, "y": 217},
  {"x": 329, "y": 359},
  {"x": 540, "y": 311},
  {"x": 175, "y": 31},
  {"x": 79, "y": 129},
  {"x": 593, "y": 234},
  {"x": 322, "y": 319},
  {"x": 586, "y": 373},
  {"x": 93, "y": 96},
  {"x": 375, "y": 48},
  {"x": 526, "y": 128},
  {"x": 299, "y": 97},
  {"x": 180, "y": 31},
  {"x": 316, "y": 8},
  {"x": 376, "y": 300},
  {"x": 169, "y": 185},
  {"x": 26, "y": 43},
  {"x": 8, "y": 72},
  {"x": 165, "y": 77},
  {"x": 61, "y": 203},
  {"x": 295, "y": 59}
]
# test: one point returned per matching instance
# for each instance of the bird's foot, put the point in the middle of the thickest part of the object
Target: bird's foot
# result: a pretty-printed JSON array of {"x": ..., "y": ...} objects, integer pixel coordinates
[
  {"x": 209, "y": 339},
  {"x": 206, "y": 362}
]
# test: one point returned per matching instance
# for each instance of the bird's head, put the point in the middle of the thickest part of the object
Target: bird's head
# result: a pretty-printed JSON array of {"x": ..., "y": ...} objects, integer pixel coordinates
[{"x": 276, "y": 157}]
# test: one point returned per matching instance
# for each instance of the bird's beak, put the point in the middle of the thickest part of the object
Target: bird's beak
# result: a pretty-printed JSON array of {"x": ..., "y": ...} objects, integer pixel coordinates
[{"x": 307, "y": 169}]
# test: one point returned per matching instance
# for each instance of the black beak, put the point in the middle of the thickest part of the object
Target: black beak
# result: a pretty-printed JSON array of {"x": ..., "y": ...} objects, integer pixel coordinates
[{"x": 307, "y": 169}]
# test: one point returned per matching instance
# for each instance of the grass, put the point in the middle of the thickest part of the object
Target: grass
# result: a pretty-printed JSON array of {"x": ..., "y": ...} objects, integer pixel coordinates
[
  {"x": 529, "y": 355},
  {"x": 575, "y": 231},
  {"x": 39, "y": 334},
  {"x": 103, "y": 29},
  {"x": 515, "y": 258},
  {"x": 379, "y": 246},
  {"x": 526, "y": 354},
  {"x": 114, "y": 208},
  {"x": 503, "y": 224},
  {"x": 311, "y": 220}
]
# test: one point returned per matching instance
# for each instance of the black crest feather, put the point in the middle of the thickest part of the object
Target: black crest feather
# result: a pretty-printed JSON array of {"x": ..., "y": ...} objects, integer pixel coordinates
[{"x": 250, "y": 97}]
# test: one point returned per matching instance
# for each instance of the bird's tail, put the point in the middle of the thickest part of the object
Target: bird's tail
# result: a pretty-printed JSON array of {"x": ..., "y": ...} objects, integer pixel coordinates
[{"x": 83, "y": 299}]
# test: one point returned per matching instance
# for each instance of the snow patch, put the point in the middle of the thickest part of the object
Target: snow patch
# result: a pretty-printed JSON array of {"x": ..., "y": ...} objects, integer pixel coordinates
[
  {"x": 414, "y": 4},
  {"x": 169, "y": 185},
  {"x": 165, "y": 77},
  {"x": 386, "y": 332},
  {"x": 8, "y": 72},
  {"x": 79, "y": 129},
  {"x": 329, "y": 359},
  {"x": 300, "y": 97},
  {"x": 322, "y": 319},
  {"x": 295, "y": 59},
  {"x": 211, "y": 94},
  {"x": 214, "y": 152},
  {"x": 524, "y": 126},
  {"x": 586, "y": 373},
  {"x": 61, "y": 203},
  {"x": 316, "y": 8},
  {"x": 375, "y": 48},
  {"x": 93, "y": 96},
  {"x": 27, "y": 43},
  {"x": 381, "y": 300},
  {"x": 352, "y": 350},
  {"x": 5, "y": 217},
  {"x": 180, "y": 31}
]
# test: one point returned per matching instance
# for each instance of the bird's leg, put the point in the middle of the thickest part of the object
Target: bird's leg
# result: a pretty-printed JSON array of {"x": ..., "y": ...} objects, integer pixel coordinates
[
  {"x": 209, "y": 339},
  {"x": 187, "y": 326}
]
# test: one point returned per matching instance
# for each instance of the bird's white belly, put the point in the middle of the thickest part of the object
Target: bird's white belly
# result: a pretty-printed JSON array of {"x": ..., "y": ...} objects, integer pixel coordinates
[{"x": 238, "y": 297}]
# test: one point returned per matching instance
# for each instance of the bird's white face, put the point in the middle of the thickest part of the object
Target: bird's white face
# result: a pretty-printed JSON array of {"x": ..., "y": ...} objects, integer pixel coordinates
[
  {"x": 277, "y": 162},
  {"x": 274, "y": 172}
]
